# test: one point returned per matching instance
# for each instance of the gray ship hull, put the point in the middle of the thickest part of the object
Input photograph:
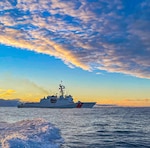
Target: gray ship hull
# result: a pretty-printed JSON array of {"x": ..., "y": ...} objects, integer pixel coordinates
[{"x": 74, "y": 105}]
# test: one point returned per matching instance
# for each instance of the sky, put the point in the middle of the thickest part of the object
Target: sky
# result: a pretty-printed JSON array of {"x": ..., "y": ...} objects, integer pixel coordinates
[{"x": 100, "y": 49}]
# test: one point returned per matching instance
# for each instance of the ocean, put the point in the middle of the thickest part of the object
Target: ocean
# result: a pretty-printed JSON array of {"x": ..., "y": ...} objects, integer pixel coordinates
[{"x": 98, "y": 127}]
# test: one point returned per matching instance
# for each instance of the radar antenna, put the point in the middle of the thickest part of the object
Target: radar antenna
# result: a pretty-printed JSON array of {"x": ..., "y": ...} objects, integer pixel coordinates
[{"x": 61, "y": 88}]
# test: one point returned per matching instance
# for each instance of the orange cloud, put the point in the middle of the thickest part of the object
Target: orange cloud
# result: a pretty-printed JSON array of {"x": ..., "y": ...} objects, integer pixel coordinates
[
  {"x": 6, "y": 93},
  {"x": 135, "y": 102},
  {"x": 41, "y": 45},
  {"x": 128, "y": 102}
]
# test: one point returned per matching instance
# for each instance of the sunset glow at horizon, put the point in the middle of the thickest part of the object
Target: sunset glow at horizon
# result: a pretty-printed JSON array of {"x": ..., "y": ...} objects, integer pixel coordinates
[{"x": 100, "y": 49}]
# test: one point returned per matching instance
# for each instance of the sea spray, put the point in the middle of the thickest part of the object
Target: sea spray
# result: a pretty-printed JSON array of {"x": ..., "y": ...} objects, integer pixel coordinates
[{"x": 29, "y": 134}]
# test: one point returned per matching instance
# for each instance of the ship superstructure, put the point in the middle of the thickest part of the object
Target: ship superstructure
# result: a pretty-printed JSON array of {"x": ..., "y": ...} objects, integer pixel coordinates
[{"x": 54, "y": 101}]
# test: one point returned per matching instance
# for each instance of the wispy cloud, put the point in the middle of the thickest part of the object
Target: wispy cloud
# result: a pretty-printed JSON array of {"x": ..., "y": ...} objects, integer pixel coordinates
[
  {"x": 94, "y": 35},
  {"x": 135, "y": 102},
  {"x": 6, "y": 93}
]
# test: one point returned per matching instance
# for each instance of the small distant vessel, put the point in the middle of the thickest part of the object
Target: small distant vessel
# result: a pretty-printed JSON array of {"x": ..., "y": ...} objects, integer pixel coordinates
[{"x": 54, "y": 101}]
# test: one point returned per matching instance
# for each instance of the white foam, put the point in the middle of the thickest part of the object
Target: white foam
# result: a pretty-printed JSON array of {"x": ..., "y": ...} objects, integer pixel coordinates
[{"x": 35, "y": 133}]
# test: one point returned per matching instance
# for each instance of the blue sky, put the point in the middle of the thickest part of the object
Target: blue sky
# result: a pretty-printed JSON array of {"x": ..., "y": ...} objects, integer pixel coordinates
[{"x": 99, "y": 48}]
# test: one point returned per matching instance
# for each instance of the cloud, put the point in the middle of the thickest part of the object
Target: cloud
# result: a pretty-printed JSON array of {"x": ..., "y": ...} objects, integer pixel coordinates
[
  {"x": 24, "y": 89},
  {"x": 138, "y": 100},
  {"x": 6, "y": 93},
  {"x": 135, "y": 102},
  {"x": 93, "y": 35}
]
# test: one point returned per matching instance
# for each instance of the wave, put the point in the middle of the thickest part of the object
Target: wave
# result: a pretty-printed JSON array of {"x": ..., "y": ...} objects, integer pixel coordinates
[{"x": 36, "y": 133}]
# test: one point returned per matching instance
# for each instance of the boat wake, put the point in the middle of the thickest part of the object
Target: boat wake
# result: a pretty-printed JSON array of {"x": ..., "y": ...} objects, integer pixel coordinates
[{"x": 28, "y": 134}]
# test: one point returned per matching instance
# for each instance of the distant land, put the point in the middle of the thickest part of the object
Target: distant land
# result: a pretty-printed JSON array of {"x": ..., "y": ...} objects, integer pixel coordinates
[
  {"x": 8, "y": 103},
  {"x": 106, "y": 105}
]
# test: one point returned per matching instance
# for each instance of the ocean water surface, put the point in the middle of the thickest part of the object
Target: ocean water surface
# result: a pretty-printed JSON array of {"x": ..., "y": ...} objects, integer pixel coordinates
[{"x": 99, "y": 127}]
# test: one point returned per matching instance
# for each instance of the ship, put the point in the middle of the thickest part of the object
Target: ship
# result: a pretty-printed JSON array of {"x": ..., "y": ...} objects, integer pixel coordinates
[{"x": 54, "y": 101}]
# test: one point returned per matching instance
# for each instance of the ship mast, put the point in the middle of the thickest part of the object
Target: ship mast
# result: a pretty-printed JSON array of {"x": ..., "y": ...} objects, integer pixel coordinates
[{"x": 61, "y": 88}]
